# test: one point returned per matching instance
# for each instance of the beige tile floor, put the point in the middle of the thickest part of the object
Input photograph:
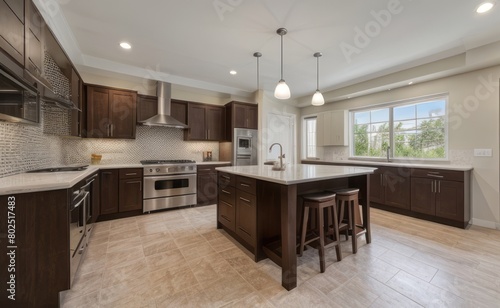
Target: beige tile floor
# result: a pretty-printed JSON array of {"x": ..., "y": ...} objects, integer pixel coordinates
[{"x": 179, "y": 259}]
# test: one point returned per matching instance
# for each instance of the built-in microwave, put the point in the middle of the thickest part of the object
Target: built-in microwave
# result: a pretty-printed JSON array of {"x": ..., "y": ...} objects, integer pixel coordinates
[{"x": 19, "y": 102}]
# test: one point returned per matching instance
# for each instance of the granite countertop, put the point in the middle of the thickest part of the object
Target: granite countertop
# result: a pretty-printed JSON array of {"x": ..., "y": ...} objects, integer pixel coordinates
[
  {"x": 32, "y": 182},
  {"x": 295, "y": 174},
  {"x": 392, "y": 164}
]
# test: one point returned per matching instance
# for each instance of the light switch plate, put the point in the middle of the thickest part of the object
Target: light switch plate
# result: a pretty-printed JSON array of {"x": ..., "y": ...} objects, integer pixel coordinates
[{"x": 483, "y": 152}]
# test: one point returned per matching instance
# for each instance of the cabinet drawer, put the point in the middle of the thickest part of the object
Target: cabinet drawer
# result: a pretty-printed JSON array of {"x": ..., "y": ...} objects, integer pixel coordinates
[
  {"x": 226, "y": 179},
  {"x": 202, "y": 169},
  {"x": 437, "y": 174},
  {"x": 130, "y": 173},
  {"x": 226, "y": 214},
  {"x": 246, "y": 215},
  {"x": 227, "y": 194},
  {"x": 246, "y": 184}
]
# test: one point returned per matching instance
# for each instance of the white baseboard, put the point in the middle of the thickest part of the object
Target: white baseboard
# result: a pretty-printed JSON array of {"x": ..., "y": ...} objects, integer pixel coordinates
[{"x": 485, "y": 223}]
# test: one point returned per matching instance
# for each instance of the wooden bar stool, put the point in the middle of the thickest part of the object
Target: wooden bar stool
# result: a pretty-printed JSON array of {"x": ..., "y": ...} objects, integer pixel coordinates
[
  {"x": 350, "y": 220},
  {"x": 319, "y": 202}
]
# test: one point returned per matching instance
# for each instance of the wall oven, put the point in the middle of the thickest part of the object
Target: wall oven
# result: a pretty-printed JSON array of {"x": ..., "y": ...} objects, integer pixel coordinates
[
  {"x": 169, "y": 184},
  {"x": 245, "y": 147}
]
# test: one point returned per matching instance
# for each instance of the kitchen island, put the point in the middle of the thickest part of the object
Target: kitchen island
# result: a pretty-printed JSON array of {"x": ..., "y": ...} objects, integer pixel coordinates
[{"x": 258, "y": 206}]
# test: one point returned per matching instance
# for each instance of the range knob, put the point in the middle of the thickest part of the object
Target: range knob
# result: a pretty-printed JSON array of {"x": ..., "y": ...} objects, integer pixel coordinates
[
  {"x": 150, "y": 170},
  {"x": 157, "y": 169}
]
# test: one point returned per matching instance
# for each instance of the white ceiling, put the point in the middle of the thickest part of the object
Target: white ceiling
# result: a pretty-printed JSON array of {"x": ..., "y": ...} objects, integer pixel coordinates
[{"x": 197, "y": 42}]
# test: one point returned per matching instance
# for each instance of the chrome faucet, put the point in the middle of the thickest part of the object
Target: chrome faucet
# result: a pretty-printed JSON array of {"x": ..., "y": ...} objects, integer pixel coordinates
[
  {"x": 388, "y": 154},
  {"x": 281, "y": 167}
]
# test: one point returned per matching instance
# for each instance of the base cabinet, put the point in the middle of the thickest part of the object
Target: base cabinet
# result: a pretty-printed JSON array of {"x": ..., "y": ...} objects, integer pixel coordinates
[
  {"x": 441, "y": 194},
  {"x": 121, "y": 190},
  {"x": 206, "y": 182},
  {"x": 391, "y": 187},
  {"x": 237, "y": 207}
]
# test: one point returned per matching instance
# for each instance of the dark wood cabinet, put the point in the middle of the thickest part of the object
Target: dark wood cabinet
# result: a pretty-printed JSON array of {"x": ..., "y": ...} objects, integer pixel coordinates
[
  {"x": 12, "y": 29},
  {"x": 111, "y": 113},
  {"x": 206, "y": 182},
  {"x": 76, "y": 98},
  {"x": 130, "y": 190},
  {"x": 109, "y": 191},
  {"x": 441, "y": 193},
  {"x": 121, "y": 190},
  {"x": 391, "y": 186},
  {"x": 240, "y": 115},
  {"x": 147, "y": 107},
  {"x": 206, "y": 122},
  {"x": 34, "y": 40},
  {"x": 178, "y": 110},
  {"x": 237, "y": 208},
  {"x": 42, "y": 256}
]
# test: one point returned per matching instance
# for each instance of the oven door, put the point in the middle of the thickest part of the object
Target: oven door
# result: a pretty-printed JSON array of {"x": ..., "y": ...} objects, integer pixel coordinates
[{"x": 169, "y": 185}]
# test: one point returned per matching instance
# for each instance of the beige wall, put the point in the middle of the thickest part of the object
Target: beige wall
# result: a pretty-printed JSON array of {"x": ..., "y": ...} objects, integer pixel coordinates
[{"x": 473, "y": 123}]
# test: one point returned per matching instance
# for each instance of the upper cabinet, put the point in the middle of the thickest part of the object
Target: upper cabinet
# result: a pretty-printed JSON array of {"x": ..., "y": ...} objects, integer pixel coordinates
[
  {"x": 333, "y": 128},
  {"x": 34, "y": 40},
  {"x": 206, "y": 122},
  {"x": 76, "y": 98},
  {"x": 240, "y": 115},
  {"x": 12, "y": 29},
  {"x": 111, "y": 113}
]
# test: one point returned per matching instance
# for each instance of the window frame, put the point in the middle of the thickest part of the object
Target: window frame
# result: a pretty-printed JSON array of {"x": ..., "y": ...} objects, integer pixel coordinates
[
  {"x": 391, "y": 106},
  {"x": 306, "y": 137}
]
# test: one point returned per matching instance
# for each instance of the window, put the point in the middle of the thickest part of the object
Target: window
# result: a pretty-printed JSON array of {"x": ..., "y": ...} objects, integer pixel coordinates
[
  {"x": 310, "y": 126},
  {"x": 413, "y": 129}
]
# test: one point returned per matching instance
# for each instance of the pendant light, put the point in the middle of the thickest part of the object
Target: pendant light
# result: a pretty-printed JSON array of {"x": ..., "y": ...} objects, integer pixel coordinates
[
  {"x": 282, "y": 90},
  {"x": 257, "y": 55},
  {"x": 317, "y": 99}
]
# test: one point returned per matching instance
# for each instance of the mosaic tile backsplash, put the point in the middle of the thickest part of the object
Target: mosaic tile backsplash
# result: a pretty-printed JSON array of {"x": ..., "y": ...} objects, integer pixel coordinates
[{"x": 150, "y": 143}]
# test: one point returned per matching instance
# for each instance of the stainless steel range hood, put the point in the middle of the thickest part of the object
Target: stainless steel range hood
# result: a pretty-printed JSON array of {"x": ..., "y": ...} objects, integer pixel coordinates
[{"x": 163, "y": 118}]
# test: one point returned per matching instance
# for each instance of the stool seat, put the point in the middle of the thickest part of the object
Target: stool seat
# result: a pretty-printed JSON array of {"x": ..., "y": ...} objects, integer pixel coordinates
[
  {"x": 347, "y": 191},
  {"x": 319, "y": 197}
]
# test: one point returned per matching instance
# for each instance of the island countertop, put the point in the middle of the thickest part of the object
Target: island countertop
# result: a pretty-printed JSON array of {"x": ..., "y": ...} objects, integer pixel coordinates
[{"x": 296, "y": 173}]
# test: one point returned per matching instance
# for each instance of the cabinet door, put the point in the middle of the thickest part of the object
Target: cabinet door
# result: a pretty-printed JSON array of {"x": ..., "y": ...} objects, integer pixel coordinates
[
  {"x": 122, "y": 113},
  {"x": 397, "y": 190},
  {"x": 422, "y": 196},
  {"x": 75, "y": 127},
  {"x": 12, "y": 28},
  {"x": 240, "y": 116},
  {"x": 215, "y": 123},
  {"x": 98, "y": 121},
  {"x": 377, "y": 191},
  {"x": 450, "y": 200},
  {"x": 178, "y": 110},
  {"x": 246, "y": 217},
  {"x": 252, "y": 117},
  {"x": 130, "y": 195},
  {"x": 206, "y": 188},
  {"x": 147, "y": 107},
  {"x": 109, "y": 191},
  {"x": 197, "y": 124},
  {"x": 339, "y": 128},
  {"x": 320, "y": 131}
]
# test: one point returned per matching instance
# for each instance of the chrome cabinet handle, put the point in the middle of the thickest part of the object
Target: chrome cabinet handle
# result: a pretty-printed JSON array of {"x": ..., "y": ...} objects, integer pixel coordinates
[
  {"x": 244, "y": 199},
  {"x": 435, "y": 175},
  {"x": 135, "y": 173},
  {"x": 432, "y": 186},
  {"x": 244, "y": 185},
  {"x": 226, "y": 192},
  {"x": 225, "y": 177},
  {"x": 439, "y": 187}
]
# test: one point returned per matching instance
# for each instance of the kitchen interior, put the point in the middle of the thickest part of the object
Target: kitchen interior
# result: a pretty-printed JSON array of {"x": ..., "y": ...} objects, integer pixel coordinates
[{"x": 161, "y": 172}]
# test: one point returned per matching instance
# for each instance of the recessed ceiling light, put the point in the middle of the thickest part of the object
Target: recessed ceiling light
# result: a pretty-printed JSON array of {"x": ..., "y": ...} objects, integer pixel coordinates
[
  {"x": 125, "y": 45},
  {"x": 233, "y": 72},
  {"x": 485, "y": 7}
]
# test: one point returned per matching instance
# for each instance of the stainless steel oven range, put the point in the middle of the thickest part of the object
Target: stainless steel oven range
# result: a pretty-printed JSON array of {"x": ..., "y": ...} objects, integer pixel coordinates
[{"x": 168, "y": 184}]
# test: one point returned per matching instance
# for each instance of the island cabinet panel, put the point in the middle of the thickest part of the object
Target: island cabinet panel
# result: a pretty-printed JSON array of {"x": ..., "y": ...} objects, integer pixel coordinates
[
  {"x": 237, "y": 208},
  {"x": 391, "y": 187},
  {"x": 42, "y": 267}
]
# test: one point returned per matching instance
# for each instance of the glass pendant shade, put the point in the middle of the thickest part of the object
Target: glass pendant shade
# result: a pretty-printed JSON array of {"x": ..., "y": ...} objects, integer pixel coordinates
[
  {"x": 282, "y": 90},
  {"x": 318, "y": 99}
]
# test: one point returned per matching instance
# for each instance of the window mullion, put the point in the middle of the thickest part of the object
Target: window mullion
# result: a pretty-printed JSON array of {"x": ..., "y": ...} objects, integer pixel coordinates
[{"x": 391, "y": 131}]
